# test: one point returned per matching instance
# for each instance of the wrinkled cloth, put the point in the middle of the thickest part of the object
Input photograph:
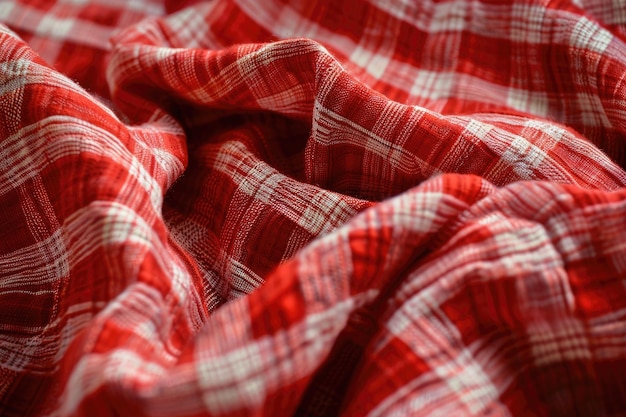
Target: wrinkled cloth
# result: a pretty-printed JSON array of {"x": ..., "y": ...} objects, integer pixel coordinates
[{"x": 312, "y": 208}]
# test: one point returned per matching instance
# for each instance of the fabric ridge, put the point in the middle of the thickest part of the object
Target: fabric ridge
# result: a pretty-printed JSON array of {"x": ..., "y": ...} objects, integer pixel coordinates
[{"x": 312, "y": 208}]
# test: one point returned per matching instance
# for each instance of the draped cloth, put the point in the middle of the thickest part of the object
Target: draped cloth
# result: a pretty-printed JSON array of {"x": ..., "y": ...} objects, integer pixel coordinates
[{"x": 312, "y": 208}]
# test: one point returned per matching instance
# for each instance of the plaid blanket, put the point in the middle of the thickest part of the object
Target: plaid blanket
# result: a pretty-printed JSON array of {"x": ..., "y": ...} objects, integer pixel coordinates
[{"x": 312, "y": 208}]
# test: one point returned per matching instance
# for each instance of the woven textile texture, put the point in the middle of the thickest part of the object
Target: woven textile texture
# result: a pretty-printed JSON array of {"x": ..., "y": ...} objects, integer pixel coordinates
[{"x": 312, "y": 208}]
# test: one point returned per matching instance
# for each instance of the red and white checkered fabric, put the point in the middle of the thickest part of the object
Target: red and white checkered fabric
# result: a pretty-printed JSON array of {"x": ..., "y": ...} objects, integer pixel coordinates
[{"x": 312, "y": 208}]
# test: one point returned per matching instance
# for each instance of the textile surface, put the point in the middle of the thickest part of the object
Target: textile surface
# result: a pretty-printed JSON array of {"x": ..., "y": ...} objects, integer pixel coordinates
[{"x": 312, "y": 208}]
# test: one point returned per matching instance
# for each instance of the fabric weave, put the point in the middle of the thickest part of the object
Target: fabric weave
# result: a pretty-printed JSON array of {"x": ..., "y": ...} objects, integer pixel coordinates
[{"x": 312, "y": 208}]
